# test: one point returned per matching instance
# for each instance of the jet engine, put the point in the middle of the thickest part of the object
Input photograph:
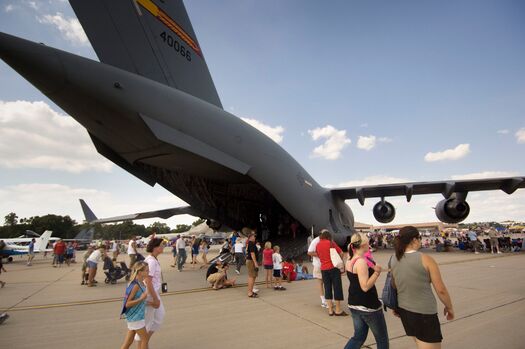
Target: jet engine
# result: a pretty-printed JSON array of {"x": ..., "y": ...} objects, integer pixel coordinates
[
  {"x": 384, "y": 212},
  {"x": 452, "y": 210},
  {"x": 215, "y": 225}
]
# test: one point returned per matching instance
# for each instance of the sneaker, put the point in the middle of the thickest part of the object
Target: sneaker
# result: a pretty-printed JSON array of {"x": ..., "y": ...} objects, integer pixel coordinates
[
  {"x": 238, "y": 272},
  {"x": 324, "y": 305},
  {"x": 476, "y": 252},
  {"x": 3, "y": 317},
  {"x": 83, "y": 282},
  {"x": 256, "y": 290}
]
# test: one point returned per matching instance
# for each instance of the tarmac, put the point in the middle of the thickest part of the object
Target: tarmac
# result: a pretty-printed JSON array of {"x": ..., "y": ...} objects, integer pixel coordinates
[{"x": 49, "y": 308}]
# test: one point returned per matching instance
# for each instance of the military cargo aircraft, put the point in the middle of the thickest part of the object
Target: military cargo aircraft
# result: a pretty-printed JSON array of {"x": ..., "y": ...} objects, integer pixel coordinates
[{"x": 150, "y": 106}]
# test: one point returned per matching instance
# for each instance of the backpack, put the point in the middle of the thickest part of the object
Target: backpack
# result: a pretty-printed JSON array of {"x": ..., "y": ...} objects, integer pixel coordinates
[
  {"x": 389, "y": 296},
  {"x": 126, "y": 297}
]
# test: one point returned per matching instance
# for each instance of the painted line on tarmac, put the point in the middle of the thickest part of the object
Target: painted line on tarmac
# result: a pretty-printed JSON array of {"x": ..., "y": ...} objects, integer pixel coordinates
[
  {"x": 182, "y": 292},
  {"x": 111, "y": 300}
]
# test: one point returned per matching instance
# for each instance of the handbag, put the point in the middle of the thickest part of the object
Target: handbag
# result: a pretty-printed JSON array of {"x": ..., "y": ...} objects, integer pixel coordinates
[
  {"x": 336, "y": 259},
  {"x": 389, "y": 296}
]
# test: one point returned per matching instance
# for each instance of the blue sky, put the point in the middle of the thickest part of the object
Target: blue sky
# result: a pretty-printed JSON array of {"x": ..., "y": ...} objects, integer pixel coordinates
[{"x": 384, "y": 88}]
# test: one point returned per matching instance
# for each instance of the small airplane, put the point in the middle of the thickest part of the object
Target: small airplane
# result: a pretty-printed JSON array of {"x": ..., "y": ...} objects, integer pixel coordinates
[
  {"x": 150, "y": 106},
  {"x": 11, "y": 247}
]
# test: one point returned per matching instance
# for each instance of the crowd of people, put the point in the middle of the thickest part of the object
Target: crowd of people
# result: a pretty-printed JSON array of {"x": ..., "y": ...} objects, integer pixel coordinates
[{"x": 413, "y": 274}]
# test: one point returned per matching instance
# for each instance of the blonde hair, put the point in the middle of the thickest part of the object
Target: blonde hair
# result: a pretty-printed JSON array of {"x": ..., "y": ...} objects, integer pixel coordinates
[
  {"x": 276, "y": 248},
  {"x": 358, "y": 239},
  {"x": 268, "y": 244},
  {"x": 137, "y": 267}
]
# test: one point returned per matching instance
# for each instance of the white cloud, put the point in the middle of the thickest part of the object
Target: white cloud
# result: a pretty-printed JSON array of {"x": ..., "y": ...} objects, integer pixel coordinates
[
  {"x": 32, "y": 135},
  {"x": 38, "y": 199},
  {"x": 503, "y": 132},
  {"x": 69, "y": 27},
  {"x": 457, "y": 153},
  {"x": 485, "y": 174},
  {"x": 369, "y": 142},
  {"x": 275, "y": 133},
  {"x": 8, "y": 8},
  {"x": 33, "y": 5},
  {"x": 520, "y": 135},
  {"x": 366, "y": 142},
  {"x": 336, "y": 140}
]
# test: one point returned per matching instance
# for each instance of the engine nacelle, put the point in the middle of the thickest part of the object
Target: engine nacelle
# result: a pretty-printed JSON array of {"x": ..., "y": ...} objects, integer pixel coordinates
[
  {"x": 384, "y": 212},
  {"x": 215, "y": 225},
  {"x": 452, "y": 210}
]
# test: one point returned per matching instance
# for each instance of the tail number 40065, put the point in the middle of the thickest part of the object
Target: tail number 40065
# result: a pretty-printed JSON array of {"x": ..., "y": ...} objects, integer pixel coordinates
[{"x": 177, "y": 46}]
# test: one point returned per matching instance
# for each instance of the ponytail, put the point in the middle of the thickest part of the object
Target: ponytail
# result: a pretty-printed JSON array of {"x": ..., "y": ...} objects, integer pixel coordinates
[{"x": 403, "y": 239}]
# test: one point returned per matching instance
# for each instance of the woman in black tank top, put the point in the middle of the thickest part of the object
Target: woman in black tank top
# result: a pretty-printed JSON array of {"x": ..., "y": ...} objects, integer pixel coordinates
[{"x": 363, "y": 302}]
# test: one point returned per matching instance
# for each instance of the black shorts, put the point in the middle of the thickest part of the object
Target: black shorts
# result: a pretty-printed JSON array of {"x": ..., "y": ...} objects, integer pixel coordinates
[
  {"x": 424, "y": 327},
  {"x": 277, "y": 273},
  {"x": 268, "y": 266}
]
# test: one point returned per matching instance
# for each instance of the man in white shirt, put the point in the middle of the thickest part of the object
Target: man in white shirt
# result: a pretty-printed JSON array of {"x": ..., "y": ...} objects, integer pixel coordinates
[
  {"x": 181, "y": 252},
  {"x": 132, "y": 251},
  {"x": 239, "y": 254},
  {"x": 316, "y": 262}
]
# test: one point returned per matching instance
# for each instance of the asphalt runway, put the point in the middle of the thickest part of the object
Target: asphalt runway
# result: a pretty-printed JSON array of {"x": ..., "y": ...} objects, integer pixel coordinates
[{"x": 49, "y": 309}]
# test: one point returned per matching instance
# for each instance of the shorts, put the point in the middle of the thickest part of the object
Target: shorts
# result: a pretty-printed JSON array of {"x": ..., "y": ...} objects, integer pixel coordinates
[
  {"x": 213, "y": 278},
  {"x": 195, "y": 251},
  {"x": 32, "y": 254},
  {"x": 250, "y": 265},
  {"x": 136, "y": 325},
  {"x": 317, "y": 273},
  {"x": 60, "y": 258},
  {"x": 424, "y": 327},
  {"x": 91, "y": 265},
  {"x": 268, "y": 266},
  {"x": 174, "y": 252},
  {"x": 277, "y": 273}
]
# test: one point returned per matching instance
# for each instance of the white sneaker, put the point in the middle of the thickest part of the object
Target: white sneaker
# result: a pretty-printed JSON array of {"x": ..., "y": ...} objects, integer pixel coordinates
[
  {"x": 238, "y": 272},
  {"x": 256, "y": 290},
  {"x": 324, "y": 305}
]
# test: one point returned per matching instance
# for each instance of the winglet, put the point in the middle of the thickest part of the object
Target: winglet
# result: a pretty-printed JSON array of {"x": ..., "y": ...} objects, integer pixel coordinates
[{"x": 88, "y": 214}]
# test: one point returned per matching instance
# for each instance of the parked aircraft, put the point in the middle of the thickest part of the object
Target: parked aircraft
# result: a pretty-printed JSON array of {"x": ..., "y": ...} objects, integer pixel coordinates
[
  {"x": 150, "y": 106},
  {"x": 13, "y": 247}
]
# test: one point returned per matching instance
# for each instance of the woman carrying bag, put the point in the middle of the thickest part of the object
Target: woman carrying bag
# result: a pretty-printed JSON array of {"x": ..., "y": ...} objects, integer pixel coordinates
[
  {"x": 364, "y": 304},
  {"x": 333, "y": 286}
]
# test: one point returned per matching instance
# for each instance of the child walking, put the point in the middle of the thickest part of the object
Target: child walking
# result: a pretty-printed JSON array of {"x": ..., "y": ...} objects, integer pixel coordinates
[
  {"x": 134, "y": 307},
  {"x": 277, "y": 260}
]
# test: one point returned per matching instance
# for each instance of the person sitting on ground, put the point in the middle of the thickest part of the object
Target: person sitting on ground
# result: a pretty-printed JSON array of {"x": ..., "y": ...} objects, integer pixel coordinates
[
  {"x": 289, "y": 272},
  {"x": 217, "y": 275}
]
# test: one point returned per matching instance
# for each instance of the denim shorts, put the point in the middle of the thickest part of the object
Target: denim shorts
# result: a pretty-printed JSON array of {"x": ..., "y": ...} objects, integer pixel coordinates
[{"x": 91, "y": 265}]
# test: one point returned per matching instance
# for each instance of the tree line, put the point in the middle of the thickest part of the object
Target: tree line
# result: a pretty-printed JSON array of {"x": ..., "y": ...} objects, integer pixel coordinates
[{"x": 67, "y": 228}]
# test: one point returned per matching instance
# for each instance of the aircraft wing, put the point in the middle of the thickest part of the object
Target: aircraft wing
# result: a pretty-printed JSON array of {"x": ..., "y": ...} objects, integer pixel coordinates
[
  {"x": 164, "y": 214},
  {"x": 447, "y": 188}
]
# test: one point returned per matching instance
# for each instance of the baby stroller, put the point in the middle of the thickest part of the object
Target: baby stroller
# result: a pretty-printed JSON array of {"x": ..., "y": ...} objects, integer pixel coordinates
[{"x": 114, "y": 273}]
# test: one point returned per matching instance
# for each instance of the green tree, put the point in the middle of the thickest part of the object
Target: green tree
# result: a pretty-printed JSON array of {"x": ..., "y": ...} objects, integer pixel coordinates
[
  {"x": 11, "y": 219},
  {"x": 180, "y": 228},
  {"x": 198, "y": 221},
  {"x": 159, "y": 228}
]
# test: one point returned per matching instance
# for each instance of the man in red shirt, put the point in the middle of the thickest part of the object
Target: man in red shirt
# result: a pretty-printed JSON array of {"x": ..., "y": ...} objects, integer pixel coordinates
[
  {"x": 59, "y": 250},
  {"x": 289, "y": 270},
  {"x": 331, "y": 274}
]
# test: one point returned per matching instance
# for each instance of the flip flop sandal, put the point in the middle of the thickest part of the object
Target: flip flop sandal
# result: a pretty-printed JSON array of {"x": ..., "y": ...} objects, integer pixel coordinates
[
  {"x": 341, "y": 314},
  {"x": 253, "y": 295}
]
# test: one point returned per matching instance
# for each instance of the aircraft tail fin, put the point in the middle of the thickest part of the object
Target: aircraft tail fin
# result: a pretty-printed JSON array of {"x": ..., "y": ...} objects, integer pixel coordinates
[
  {"x": 151, "y": 38},
  {"x": 85, "y": 234},
  {"x": 88, "y": 214},
  {"x": 42, "y": 241}
]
